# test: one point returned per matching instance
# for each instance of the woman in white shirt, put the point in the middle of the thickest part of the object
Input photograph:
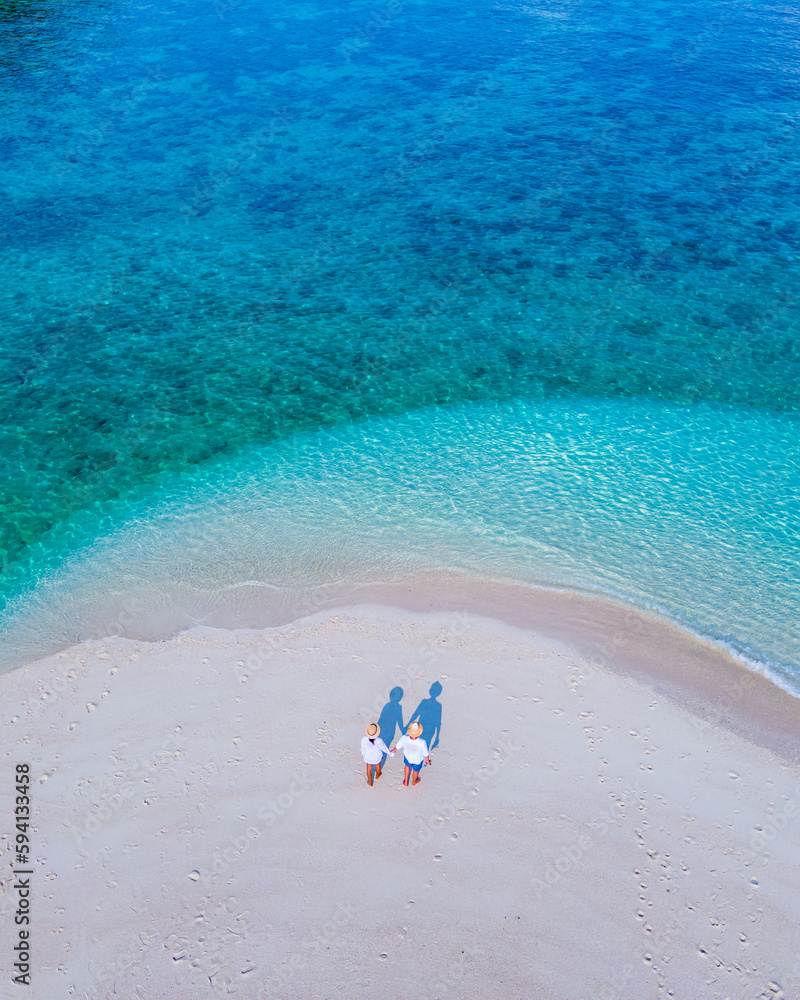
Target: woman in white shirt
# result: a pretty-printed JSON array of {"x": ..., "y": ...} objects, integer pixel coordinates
[
  {"x": 415, "y": 751},
  {"x": 372, "y": 750}
]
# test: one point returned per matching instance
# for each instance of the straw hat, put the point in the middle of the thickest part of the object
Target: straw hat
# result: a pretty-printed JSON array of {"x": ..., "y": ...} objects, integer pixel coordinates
[
  {"x": 372, "y": 730},
  {"x": 414, "y": 730}
]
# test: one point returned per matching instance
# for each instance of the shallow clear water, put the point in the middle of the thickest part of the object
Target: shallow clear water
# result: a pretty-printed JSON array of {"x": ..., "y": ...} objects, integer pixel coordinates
[
  {"x": 689, "y": 511},
  {"x": 226, "y": 223}
]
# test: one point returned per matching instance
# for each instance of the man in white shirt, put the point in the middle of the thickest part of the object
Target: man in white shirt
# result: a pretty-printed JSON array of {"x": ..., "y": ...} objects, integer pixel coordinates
[
  {"x": 415, "y": 751},
  {"x": 372, "y": 750}
]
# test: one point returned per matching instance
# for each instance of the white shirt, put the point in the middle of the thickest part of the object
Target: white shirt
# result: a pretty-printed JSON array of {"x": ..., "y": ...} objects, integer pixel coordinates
[
  {"x": 414, "y": 751},
  {"x": 373, "y": 752}
]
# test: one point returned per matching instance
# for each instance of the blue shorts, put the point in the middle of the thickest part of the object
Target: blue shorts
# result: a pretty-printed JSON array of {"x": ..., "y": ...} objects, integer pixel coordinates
[{"x": 414, "y": 767}]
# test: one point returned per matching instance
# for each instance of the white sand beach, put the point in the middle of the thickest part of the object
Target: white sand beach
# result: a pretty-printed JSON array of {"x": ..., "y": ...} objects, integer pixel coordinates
[{"x": 613, "y": 810}]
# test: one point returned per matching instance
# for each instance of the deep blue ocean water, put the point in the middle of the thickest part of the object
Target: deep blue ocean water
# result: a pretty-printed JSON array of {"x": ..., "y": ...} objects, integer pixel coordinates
[{"x": 522, "y": 277}]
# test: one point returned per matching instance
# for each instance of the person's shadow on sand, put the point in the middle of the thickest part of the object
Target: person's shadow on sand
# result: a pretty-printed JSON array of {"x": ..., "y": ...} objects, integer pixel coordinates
[
  {"x": 391, "y": 717},
  {"x": 429, "y": 714}
]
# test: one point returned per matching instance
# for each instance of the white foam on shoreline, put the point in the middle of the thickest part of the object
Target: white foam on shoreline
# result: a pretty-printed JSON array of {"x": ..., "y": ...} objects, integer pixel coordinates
[{"x": 688, "y": 511}]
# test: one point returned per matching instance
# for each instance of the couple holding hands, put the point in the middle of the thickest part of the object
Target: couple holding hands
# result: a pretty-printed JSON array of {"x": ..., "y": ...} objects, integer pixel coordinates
[{"x": 415, "y": 752}]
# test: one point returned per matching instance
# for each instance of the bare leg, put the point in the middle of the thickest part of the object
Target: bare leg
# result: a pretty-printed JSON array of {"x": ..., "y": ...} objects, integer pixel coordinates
[
  {"x": 377, "y": 771},
  {"x": 406, "y": 773},
  {"x": 415, "y": 779},
  {"x": 369, "y": 774}
]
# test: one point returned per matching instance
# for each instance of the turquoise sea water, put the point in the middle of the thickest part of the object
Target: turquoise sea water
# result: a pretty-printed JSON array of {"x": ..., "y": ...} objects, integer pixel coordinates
[{"x": 522, "y": 277}]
